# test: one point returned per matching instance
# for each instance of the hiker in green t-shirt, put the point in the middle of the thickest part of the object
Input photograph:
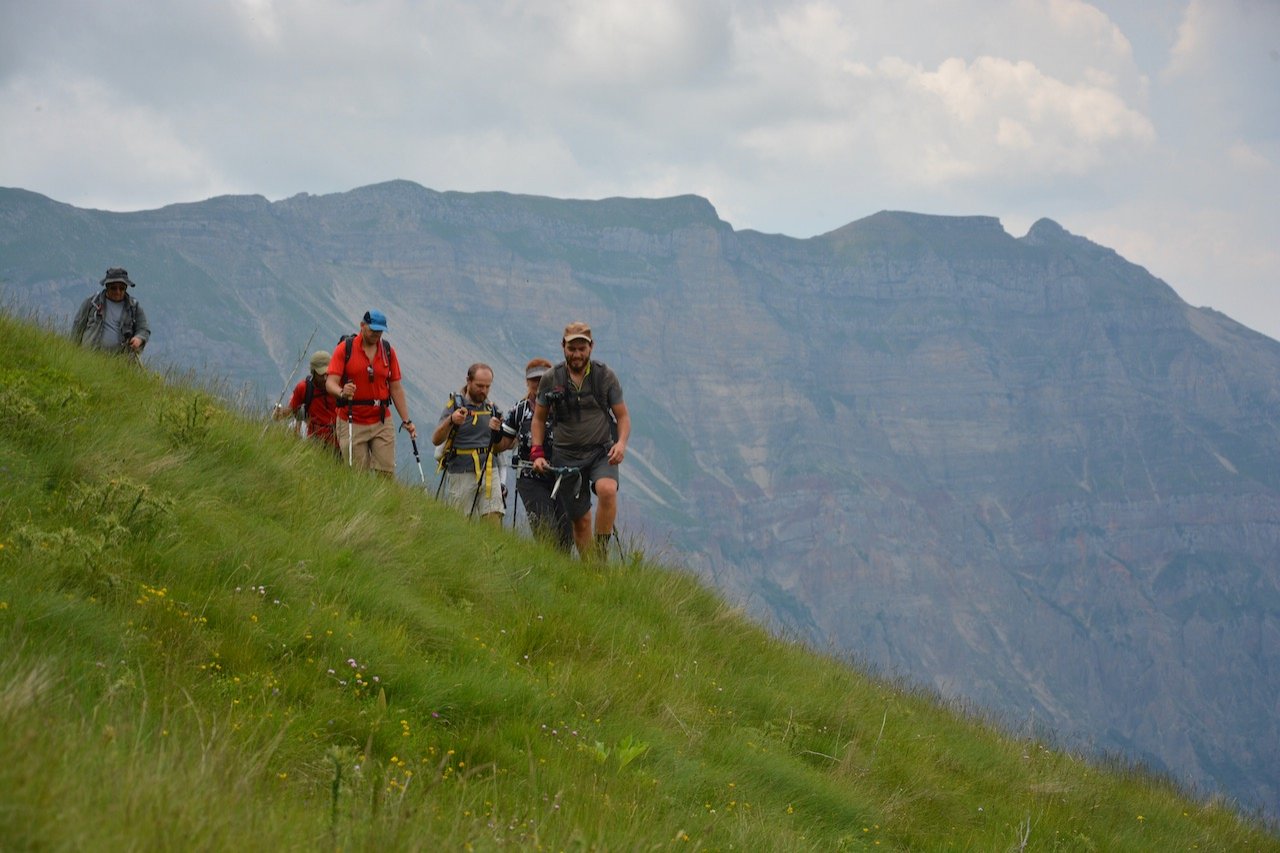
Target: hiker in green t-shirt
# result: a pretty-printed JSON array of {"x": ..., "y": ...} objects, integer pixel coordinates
[{"x": 592, "y": 426}]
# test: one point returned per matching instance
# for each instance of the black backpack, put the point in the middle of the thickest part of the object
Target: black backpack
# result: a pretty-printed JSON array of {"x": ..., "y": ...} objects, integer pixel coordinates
[
  {"x": 309, "y": 394},
  {"x": 571, "y": 401}
]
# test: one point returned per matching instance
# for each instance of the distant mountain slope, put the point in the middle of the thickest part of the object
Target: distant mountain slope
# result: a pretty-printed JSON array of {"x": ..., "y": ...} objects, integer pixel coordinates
[
  {"x": 219, "y": 639},
  {"x": 1020, "y": 470}
]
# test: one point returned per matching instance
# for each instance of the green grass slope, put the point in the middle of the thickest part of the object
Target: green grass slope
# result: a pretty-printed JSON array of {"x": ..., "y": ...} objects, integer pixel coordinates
[{"x": 215, "y": 639}]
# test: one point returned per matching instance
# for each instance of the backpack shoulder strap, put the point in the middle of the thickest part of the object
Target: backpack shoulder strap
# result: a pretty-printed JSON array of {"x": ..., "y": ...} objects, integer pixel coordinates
[
  {"x": 346, "y": 355},
  {"x": 307, "y": 396},
  {"x": 598, "y": 369}
]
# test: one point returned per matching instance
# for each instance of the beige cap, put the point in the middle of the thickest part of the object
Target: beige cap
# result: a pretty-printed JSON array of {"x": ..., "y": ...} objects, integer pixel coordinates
[{"x": 577, "y": 331}]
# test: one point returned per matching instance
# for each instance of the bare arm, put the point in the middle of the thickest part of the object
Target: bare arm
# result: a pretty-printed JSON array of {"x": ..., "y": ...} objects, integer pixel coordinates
[
  {"x": 619, "y": 449},
  {"x": 538, "y": 435},
  {"x": 398, "y": 399}
]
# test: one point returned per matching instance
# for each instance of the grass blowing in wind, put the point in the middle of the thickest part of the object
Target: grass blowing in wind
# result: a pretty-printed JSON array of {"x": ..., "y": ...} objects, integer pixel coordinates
[{"x": 216, "y": 641}]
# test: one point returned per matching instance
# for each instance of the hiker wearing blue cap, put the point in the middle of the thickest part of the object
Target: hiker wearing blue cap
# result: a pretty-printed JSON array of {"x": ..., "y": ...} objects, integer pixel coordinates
[
  {"x": 112, "y": 320},
  {"x": 364, "y": 374}
]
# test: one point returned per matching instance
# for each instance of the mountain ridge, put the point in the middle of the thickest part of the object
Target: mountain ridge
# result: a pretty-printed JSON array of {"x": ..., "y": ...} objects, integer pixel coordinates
[{"x": 1014, "y": 469}]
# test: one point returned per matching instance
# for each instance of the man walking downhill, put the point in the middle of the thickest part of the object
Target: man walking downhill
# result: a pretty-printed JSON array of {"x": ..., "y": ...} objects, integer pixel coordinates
[
  {"x": 585, "y": 400},
  {"x": 364, "y": 374},
  {"x": 112, "y": 320},
  {"x": 470, "y": 425}
]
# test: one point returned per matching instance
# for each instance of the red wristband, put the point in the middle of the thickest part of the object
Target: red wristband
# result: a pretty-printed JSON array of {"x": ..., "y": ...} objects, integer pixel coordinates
[{"x": 536, "y": 452}]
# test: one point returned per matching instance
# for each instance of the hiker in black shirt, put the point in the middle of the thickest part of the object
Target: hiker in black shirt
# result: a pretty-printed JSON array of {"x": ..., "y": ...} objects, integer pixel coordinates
[{"x": 547, "y": 517}]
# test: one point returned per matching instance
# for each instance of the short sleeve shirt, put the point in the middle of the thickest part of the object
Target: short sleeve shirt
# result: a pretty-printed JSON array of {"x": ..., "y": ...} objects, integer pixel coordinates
[
  {"x": 473, "y": 433},
  {"x": 370, "y": 392},
  {"x": 580, "y": 422},
  {"x": 520, "y": 418},
  {"x": 322, "y": 411}
]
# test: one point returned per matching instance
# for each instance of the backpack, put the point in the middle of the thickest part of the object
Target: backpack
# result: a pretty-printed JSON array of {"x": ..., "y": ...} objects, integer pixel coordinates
[
  {"x": 571, "y": 401},
  {"x": 447, "y": 451},
  {"x": 386, "y": 359},
  {"x": 309, "y": 394}
]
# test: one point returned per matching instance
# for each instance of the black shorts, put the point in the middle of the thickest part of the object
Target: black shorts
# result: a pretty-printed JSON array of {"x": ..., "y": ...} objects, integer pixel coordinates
[{"x": 576, "y": 494}]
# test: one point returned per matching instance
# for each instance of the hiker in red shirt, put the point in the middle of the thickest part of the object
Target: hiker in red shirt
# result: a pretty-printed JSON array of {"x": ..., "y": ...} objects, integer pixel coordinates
[
  {"x": 312, "y": 405},
  {"x": 364, "y": 376}
]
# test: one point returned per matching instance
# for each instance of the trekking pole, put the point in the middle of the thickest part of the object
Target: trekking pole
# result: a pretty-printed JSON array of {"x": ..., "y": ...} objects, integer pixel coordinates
[
  {"x": 289, "y": 380},
  {"x": 484, "y": 469},
  {"x": 350, "y": 449},
  {"x": 416, "y": 458},
  {"x": 450, "y": 453}
]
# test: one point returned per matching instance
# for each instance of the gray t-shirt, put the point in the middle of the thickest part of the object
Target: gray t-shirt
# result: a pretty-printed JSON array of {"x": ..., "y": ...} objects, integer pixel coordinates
[
  {"x": 581, "y": 425},
  {"x": 112, "y": 319},
  {"x": 473, "y": 433}
]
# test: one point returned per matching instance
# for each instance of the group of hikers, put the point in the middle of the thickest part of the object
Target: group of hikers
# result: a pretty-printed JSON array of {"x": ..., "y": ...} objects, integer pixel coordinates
[{"x": 567, "y": 435}]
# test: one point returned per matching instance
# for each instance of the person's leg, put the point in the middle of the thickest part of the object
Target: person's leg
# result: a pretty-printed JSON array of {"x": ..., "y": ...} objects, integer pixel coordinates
[
  {"x": 606, "y": 506},
  {"x": 382, "y": 448},
  {"x": 576, "y": 500},
  {"x": 359, "y": 452},
  {"x": 535, "y": 494},
  {"x": 582, "y": 536},
  {"x": 489, "y": 506},
  {"x": 459, "y": 490}
]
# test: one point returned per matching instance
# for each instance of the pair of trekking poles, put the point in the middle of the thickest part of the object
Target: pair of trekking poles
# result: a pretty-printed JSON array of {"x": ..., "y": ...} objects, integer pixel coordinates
[{"x": 444, "y": 470}]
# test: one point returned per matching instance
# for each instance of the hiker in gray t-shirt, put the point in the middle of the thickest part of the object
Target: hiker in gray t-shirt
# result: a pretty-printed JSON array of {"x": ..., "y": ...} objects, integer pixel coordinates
[
  {"x": 584, "y": 399},
  {"x": 112, "y": 320},
  {"x": 469, "y": 428}
]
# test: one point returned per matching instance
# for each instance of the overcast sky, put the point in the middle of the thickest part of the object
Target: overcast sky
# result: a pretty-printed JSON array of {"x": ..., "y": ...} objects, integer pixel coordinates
[{"x": 1150, "y": 126}]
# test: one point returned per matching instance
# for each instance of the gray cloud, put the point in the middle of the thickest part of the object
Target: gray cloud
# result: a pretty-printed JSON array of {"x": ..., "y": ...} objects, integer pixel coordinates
[{"x": 1151, "y": 127}]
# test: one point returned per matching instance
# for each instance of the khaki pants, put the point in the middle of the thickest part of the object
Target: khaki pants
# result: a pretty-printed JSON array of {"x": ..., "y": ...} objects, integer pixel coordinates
[
  {"x": 460, "y": 492},
  {"x": 373, "y": 445}
]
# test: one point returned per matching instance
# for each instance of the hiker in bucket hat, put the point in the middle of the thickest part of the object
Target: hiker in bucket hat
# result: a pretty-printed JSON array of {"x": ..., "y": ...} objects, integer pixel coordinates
[{"x": 111, "y": 319}]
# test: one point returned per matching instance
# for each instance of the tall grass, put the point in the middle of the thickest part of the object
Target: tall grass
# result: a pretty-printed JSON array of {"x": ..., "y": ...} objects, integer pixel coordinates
[{"x": 216, "y": 638}]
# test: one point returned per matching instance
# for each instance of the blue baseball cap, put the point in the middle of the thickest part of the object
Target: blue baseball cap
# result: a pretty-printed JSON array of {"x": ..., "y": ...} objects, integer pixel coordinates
[{"x": 375, "y": 320}]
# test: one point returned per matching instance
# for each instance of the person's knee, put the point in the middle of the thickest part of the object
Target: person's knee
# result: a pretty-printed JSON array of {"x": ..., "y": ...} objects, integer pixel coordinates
[{"x": 606, "y": 490}]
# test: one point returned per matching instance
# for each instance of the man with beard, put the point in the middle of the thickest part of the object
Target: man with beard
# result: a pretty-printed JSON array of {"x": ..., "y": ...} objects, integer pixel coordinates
[
  {"x": 470, "y": 425},
  {"x": 584, "y": 398},
  {"x": 364, "y": 374}
]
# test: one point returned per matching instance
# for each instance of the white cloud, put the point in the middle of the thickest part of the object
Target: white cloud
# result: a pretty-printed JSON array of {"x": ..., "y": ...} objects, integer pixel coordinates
[
  {"x": 790, "y": 115},
  {"x": 1188, "y": 51},
  {"x": 79, "y": 133}
]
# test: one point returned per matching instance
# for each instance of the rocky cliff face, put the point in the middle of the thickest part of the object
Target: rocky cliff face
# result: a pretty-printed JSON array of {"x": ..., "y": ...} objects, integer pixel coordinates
[{"x": 1021, "y": 471}]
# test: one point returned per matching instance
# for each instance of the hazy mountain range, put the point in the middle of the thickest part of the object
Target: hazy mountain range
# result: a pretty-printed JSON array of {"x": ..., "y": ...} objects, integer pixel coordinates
[{"x": 1019, "y": 470}]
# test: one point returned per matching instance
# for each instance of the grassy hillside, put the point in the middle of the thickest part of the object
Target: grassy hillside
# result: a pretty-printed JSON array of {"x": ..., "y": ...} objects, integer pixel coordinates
[{"x": 217, "y": 640}]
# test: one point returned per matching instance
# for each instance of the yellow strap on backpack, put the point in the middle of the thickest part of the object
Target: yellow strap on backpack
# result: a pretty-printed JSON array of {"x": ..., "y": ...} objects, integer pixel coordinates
[{"x": 488, "y": 467}]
